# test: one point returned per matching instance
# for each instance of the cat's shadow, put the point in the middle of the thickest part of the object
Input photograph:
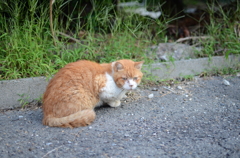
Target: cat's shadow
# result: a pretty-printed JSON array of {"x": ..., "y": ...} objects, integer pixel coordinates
[
  {"x": 102, "y": 107},
  {"x": 107, "y": 109}
]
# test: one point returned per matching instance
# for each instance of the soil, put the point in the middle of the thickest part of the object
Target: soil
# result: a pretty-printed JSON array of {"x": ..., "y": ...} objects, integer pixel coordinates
[{"x": 199, "y": 118}]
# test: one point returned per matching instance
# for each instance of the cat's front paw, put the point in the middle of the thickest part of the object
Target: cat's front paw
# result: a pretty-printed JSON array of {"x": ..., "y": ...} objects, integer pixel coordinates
[
  {"x": 114, "y": 103},
  {"x": 124, "y": 96}
]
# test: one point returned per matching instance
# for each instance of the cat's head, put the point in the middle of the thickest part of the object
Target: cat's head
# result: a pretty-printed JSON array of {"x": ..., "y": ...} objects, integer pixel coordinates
[{"x": 127, "y": 73}]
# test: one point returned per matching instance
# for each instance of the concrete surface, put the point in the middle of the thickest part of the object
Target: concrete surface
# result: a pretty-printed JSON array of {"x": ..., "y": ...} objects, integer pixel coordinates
[
  {"x": 191, "y": 67},
  {"x": 14, "y": 93}
]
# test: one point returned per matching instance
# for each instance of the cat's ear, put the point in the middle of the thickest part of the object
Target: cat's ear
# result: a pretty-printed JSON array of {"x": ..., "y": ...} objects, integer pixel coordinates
[
  {"x": 138, "y": 65},
  {"x": 118, "y": 66}
]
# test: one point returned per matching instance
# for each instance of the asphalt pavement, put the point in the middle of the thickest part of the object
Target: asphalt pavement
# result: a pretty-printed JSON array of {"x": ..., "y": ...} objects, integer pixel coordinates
[{"x": 199, "y": 118}]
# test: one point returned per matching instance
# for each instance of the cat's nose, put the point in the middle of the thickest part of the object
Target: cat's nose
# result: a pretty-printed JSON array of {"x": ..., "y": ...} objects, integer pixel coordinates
[{"x": 130, "y": 85}]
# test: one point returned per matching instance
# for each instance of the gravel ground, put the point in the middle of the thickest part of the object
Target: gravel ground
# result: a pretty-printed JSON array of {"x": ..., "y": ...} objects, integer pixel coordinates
[{"x": 200, "y": 118}]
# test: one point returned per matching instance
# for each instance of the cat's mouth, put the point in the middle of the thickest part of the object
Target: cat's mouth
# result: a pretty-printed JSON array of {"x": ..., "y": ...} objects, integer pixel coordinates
[{"x": 130, "y": 88}]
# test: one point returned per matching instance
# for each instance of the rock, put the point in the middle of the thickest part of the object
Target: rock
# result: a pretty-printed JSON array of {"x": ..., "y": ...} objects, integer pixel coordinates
[
  {"x": 176, "y": 51},
  {"x": 225, "y": 82},
  {"x": 179, "y": 87},
  {"x": 150, "y": 96},
  {"x": 48, "y": 144},
  {"x": 126, "y": 135},
  {"x": 154, "y": 89}
]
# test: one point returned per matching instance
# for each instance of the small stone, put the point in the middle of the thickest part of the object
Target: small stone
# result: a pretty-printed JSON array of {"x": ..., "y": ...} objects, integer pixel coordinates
[
  {"x": 179, "y": 87},
  {"x": 154, "y": 89},
  {"x": 48, "y": 143},
  {"x": 20, "y": 116},
  {"x": 225, "y": 82},
  {"x": 150, "y": 96},
  {"x": 126, "y": 135}
]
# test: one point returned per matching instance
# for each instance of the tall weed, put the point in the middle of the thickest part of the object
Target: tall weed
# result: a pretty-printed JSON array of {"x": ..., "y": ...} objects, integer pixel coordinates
[
  {"x": 224, "y": 30},
  {"x": 26, "y": 42}
]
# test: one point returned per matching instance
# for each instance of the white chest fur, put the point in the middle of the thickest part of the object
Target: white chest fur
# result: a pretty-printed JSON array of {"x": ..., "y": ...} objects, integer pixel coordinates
[{"x": 111, "y": 92}]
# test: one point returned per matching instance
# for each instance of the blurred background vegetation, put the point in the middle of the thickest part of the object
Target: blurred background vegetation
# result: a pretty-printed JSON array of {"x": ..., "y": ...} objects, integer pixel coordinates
[{"x": 105, "y": 31}]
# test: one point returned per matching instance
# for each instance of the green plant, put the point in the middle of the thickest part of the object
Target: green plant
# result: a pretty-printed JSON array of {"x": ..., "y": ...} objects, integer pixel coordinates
[
  {"x": 148, "y": 77},
  {"x": 223, "y": 71},
  {"x": 27, "y": 48},
  {"x": 187, "y": 77},
  {"x": 223, "y": 27},
  {"x": 23, "y": 99},
  {"x": 39, "y": 99}
]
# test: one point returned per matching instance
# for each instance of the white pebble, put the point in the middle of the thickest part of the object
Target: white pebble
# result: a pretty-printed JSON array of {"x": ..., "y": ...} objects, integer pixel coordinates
[
  {"x": 226, "y": 82},
  {"x": 126, "y": 135},
  {"x": 150, "y": 96},
  {"x": 179, "y": 87}
]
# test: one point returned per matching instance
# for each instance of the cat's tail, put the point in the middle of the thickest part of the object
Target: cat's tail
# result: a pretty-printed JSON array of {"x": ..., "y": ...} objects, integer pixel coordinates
[{"x": 80, "y": 118}]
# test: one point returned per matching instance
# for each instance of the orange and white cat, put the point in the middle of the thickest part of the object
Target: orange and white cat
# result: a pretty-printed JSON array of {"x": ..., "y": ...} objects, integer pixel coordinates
[{"x": 74, "y": 92}]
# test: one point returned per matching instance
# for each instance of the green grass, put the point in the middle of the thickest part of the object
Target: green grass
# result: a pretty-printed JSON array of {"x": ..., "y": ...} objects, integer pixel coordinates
[
  {"x": 27, "y": 48},
  {"x": 221, "y": 72},
  {"x": 224, "y": 29},
  {"x": 23, "y": 99}
]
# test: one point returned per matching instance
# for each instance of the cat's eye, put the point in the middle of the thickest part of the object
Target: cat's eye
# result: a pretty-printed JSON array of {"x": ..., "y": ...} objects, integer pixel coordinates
[
  {"x": 135, "y": 78},
  {"x": 124, "y": 78}
]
